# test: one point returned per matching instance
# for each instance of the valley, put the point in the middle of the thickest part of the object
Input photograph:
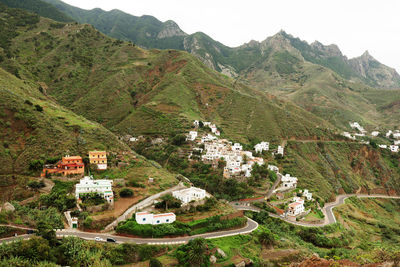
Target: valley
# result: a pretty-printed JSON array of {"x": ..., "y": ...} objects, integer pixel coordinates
[{"x": 124, "y": 140}]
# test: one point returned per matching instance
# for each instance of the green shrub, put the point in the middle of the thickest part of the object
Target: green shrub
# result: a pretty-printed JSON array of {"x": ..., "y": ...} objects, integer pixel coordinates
[
  {"x": 155, "y": 263},
  {"x": 39, "y": 108},
  {"x": 36, "y": 184},
  {"x": 126, "y": 192}
]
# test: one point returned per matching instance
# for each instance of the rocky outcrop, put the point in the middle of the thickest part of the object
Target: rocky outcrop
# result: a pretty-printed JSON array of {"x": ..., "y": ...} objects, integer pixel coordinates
[
  {"x": 375, "y": 72},
  {"x": 221, "y": 253},
  {"x": 227, "y": 70},
  {"x": 8, "y": 207},
  {"x": 213, "y": 259},
  {"x": 327, "y": 51},
  {"x": 193, "y": 46},
  {"x": 170, "y": 29}
]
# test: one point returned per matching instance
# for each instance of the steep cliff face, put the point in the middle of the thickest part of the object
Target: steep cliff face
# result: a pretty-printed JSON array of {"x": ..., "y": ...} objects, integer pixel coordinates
[{"x": 375, "y": 72}]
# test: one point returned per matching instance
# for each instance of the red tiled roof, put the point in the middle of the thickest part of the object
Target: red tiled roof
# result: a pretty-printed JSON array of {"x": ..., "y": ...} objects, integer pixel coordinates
[
  {"x": 142, "y": 213},
  {"x": 161, "y": 215},
  {"x": 72, "y": 157},
  {"x": 295, "y": 204},
  {"x": 72, "y": 164},
  {"x": 278, "y": 210}
]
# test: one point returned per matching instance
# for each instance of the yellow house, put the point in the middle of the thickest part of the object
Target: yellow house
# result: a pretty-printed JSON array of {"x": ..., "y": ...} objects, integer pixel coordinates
[{"x": 99, "y": 158}]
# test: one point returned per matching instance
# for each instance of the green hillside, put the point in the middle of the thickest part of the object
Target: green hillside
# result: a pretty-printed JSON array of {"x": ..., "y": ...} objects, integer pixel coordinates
[
  {"x": 332, "y": 168},
  {"x": 33, "y": 127},
  {"x": 137, "y": 91},
  {"x": 39, "y": 7},
  {"x": 306, "y": 74}
]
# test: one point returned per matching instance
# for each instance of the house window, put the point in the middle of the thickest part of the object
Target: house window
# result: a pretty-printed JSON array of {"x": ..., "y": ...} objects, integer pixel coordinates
[
  {"x": 167, "y": 220},
  {"x": 158, "y": 221},
  {"x": 144, "y": 219}
]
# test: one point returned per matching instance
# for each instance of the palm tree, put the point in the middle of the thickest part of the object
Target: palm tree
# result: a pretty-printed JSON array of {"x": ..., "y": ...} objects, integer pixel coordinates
[
  {"x": 197, "y": 252},
  {"x": 266, "y": 238}
]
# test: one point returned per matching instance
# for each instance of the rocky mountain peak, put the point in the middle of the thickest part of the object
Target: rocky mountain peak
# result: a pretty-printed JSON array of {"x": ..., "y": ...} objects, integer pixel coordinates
[
  {"x": 170, "y": 29},
  {"x": 371, "y": 69},
  {"x": 367, "y": 56},
  {"x": 251, "y": 44},
  {"x": 331, "y": 50}
]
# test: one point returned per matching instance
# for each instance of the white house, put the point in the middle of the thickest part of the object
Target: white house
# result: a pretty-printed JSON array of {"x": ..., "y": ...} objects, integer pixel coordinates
[
  {"x": 150, "y": 218},
  {"x": 237, "y": 147},
  {"x": 213, "y": 128},
  {"x": 356, "y": 125},
  {"x": 189, "y": 194},
  {"x": 280, "y": 151},
  {"x": 133, "y": 139},
  {"x": 396, "y": 142},
  {"x": 206, "y": 123},
  {"x": 295, "y": 209},
  {"x": 375, "y": 133},
  {"x": 191, "y": 136},
  {"x": 389, "y": 133},
  {"x": 263, "y": 146},
  {"x": 246, "y": 169},
  {"x": 383, "y": 146},
  {"x": 102, "y": 187},
  {"x": 348, "y": 135},
  {"x": 208, "y": 138},
  {"x": 396, "y": 135},
  {"x": 289, "y": 181},
  {"x": 196, "y": 123},
  {"x": 247, "y": 154},
  {"x": 394, "y": 148},
  {"x": 273, "y": 168},
  {"x": 307, "y": 194}
]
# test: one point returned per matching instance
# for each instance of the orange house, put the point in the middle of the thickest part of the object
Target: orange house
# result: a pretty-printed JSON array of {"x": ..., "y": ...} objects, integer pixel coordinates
[
  {"x": 69, "y": 165},
  {"x": 99, "y": 158}
]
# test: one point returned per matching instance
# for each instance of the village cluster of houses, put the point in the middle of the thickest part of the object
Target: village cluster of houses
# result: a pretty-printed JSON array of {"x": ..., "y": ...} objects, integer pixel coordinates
[
  {"x": 288, "y": 182},
  {"x": 187, "y": 195},
  {"x": 73, "y": 165},
  {"x": 238, "y": 161},
  {"x": 362, "y": 132}
]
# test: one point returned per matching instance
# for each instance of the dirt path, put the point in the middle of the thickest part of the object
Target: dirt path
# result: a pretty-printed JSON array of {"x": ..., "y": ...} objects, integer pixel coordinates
[
  {"x": 142, "y": 204},
  {"x": 120, "y": 206},
  {"x": 46, "y": 189}
]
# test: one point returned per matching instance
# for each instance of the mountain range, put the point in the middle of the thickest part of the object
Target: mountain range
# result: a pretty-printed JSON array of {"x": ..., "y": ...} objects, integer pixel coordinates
[
  {"x": 91, "y": 88},
  {"x": 149, "y": 32},
  {"x": 313, "y": 76}
]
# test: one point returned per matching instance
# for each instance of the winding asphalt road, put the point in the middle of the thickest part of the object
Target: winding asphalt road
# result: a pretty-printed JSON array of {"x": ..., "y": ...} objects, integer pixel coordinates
[
  {"x": 327, "y": 209},
  {"x": 250, "y": 227}
]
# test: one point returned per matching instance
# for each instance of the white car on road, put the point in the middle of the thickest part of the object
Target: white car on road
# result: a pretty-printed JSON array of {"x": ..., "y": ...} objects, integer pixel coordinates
[{"x": 98, "y": 239}]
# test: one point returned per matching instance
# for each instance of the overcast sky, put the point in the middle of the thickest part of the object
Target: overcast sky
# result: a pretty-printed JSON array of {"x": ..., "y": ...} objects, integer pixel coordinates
[{"x": 354, "y": 25}]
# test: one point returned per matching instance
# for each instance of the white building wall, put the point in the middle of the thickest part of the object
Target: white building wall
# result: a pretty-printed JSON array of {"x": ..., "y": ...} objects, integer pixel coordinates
[
  {"x": 150, "y": 218},
  {"x": 189, "y": 194}
]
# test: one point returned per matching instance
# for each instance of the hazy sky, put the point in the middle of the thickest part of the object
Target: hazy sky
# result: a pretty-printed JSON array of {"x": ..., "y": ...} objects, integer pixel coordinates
[{"x": 354, "y": 25}]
